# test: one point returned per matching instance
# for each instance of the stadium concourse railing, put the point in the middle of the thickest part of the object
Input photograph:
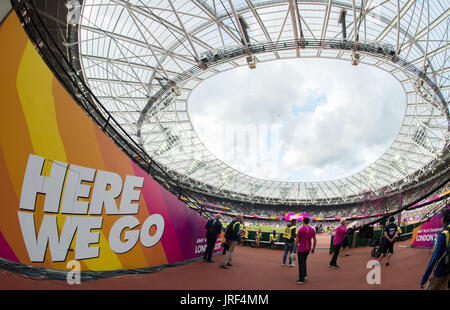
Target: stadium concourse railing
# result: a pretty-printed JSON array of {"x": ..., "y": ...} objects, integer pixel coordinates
[{"x": 51, "y": 49}]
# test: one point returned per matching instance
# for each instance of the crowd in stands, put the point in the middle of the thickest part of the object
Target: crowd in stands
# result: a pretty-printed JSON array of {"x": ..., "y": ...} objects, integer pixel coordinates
[
  {"x": 363, "y": 208},
  {"x": 423, "y": 212},
  {"x": 331, "y": 211}
]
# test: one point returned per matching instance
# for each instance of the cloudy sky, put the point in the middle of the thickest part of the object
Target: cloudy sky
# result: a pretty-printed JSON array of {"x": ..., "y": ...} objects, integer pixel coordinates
[{"x": 299, "y": 119}]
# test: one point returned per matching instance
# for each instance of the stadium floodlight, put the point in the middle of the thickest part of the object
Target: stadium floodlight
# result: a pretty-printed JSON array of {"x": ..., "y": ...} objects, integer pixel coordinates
[
  {"x": 216, "y": 54},
  {"x": 254, "y": 188},
  {"x": 284, "y": 192},
  {"x": 342, "y": 189},
  {"x": 312, "y": 193},
  {"x": 398, "y": 164},
  {"x": 224, "y": 180},
  {"x": 165, "y": 102},
  {"x": 251, "y": 62},
  {"x": 195, "y": 166},
  {"x": 163, "y": 148},
  {"x": 419, "y": 83},
  {"x": 373, "y": 180},
  {"x": 168, "y": 144},
  {"x": 421, "y": 138},
  {"x": 355, "y": 58},
  {"x": 176, "y": 90}
]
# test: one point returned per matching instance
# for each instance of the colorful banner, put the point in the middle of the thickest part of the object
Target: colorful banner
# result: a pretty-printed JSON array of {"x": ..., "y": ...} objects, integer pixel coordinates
[
  {"x": 442, "y": 195},
  {"x": 67, "y": 191},
  {"x": 298, "y": 216},
  {"x": 425, "y": 235}
]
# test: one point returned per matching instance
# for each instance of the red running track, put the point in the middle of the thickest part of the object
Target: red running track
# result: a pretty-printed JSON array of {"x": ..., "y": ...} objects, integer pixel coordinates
[{"x": 259, "y": 269}]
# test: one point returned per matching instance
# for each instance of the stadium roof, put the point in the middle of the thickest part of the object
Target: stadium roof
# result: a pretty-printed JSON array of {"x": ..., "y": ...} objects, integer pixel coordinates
[{"x": 143, "y": 58}]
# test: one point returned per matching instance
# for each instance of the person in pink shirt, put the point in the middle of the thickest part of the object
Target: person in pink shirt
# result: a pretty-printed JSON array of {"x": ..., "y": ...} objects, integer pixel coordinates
[
  {"x": 341, "y": 232},
  {"x": 303, "y": 247}
]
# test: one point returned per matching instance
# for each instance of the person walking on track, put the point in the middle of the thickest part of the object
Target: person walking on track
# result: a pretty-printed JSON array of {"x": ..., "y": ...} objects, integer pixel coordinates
[
  {"x": 233, "y": 237},
  {"x": 341, "y": 232},
  {"x": 303, "y": 247}
]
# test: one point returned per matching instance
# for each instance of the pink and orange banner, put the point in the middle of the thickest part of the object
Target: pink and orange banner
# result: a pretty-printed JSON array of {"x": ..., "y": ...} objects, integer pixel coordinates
[
  {"x": 67, "y": 191},
  {"x": 425, "y": 235},
  {"x": 298, "y": 216}
]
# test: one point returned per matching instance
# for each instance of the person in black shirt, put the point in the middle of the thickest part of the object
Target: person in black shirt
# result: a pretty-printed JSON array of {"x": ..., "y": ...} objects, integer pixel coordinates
[
  {"x": 389, "y": 234},
  {"x": 213, "y": 228}
]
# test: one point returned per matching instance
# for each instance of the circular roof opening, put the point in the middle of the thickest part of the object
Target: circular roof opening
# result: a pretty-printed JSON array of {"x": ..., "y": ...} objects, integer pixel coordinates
[
  {"x": 298, "y": 120},
  {"x": 143, "y": 61}
]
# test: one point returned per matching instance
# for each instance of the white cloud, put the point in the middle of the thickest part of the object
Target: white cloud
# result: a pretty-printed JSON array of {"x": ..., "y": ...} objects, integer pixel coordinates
[{"x": 345, "y": 116}]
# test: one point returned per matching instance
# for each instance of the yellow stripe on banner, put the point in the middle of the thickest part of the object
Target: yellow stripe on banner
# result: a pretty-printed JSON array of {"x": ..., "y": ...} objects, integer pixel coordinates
[
  {"x": 34, "y": 86},
  {"x": 444, "y": 194}
]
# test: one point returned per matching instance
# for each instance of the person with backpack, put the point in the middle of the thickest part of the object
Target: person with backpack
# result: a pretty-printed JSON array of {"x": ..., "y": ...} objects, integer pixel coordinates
[
  {"x": 390, "y": 233},
  {"x": 439, "y": 263},
  {"x": 233, "y": 237},
  {"x": 289, "y": 237}
]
